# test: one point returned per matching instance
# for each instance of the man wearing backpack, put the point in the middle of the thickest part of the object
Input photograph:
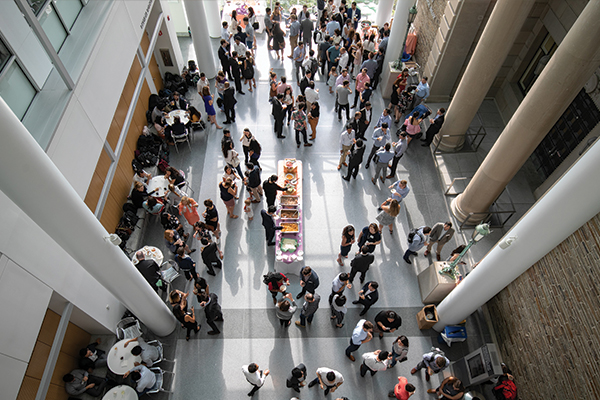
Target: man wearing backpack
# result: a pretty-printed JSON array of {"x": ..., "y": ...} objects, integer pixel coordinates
[
  {"x": 417, "y": 239},
  {"x": 435, "y": 361}
]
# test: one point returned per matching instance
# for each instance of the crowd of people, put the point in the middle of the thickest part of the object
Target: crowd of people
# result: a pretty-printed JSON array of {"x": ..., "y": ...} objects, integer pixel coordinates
[{"x": 349, "y": 62}]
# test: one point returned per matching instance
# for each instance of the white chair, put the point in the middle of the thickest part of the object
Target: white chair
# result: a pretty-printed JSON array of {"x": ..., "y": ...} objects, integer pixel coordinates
[
  {"x": 158, "y": 386},
  {"x": 184, "y": 137},
  {"x": 186, "y": 185},
  {"x": 169, "y": 271},
  {"x": 128, "y": 328},
  {"x": 159, "y": 347}
]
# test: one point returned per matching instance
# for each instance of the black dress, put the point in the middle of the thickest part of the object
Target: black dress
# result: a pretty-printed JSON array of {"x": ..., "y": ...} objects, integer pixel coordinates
[{"x": 248, "y": 69}]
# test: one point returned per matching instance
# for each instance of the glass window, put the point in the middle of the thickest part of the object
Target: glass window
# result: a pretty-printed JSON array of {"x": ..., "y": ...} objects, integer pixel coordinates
[
  {"x": 36, "y": 5},
  {"x": 16, "y": 90},
  {"x": 4, "y": 55},
  {"x": 53, "y": 27},
  {"x": 69, "y": 10}
]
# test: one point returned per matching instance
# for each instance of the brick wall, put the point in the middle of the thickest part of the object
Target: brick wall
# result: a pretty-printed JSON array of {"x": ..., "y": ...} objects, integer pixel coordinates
[
  {"x": 427, "y": 23},
  {"x": 546, "y": 321}
]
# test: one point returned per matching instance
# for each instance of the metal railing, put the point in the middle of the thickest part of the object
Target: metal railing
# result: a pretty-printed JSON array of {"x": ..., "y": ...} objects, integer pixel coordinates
[
  {"x": 448, "y": 187},
  {"x": 474, "y": 140},
  {"x": 488, "y": 216}
]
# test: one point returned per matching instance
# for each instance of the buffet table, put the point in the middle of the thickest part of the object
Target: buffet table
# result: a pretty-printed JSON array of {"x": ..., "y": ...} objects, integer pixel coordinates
[{"x": 289, "y": 246}]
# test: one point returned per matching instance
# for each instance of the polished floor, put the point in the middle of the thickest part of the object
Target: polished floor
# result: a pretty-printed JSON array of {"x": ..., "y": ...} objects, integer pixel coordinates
[{"x": 210, "y": 367}]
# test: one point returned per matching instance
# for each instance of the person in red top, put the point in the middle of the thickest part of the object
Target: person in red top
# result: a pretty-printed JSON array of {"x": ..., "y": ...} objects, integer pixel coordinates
[{"x": 403, "y": 390}]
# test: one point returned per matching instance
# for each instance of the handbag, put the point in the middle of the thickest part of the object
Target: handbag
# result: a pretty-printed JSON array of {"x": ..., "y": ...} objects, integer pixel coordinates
[{"x": 255, "y": 25}]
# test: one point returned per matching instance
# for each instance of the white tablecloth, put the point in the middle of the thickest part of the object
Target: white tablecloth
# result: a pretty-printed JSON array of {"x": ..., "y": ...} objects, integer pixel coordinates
[
  {"x": 120, "y": 359},
  {"x": 177, "y": 113},
  {"x": 151, "y": 253},
  {"x": 121, "y": 392},
  {"x": 158, "y": 182}
]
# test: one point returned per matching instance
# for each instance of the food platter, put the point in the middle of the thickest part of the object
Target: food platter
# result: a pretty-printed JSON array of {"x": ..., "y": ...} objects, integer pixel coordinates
[
  {"x": 287, "y": 200},
  {"x": 289, "y": 214},
  {"x": 289, "y": 227},
  {"x": 288, "y": 245}
]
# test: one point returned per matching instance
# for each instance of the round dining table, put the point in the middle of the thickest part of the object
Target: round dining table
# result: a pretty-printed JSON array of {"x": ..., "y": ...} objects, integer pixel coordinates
[
  {"x": 121, "y": 392},
  {"x": 182, "y": 114},
  {"x": 158, "y": 186},
  {"x": 120, "y": 359},
  {"x": 150, "y": 253}
]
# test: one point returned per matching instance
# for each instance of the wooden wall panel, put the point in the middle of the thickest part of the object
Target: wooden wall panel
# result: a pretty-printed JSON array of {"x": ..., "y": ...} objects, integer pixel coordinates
[
  {"x": 121, "y": 111},
  {"x": 145, "y": 94},
  {"x": 129, "y": 88},
  {"x": 112, "y": 213},
  {"x": 29, "y": 388},
  {"x": 113, "y": 134},
  {"x": 40, "y": 352},
  {"x": 49, "y": 326},
  {"x": 93, "y": 194},
  {"x": 145, "y": 43},
  {"x": 136, "y": 68},
  {"x": 155, "y": 72}
]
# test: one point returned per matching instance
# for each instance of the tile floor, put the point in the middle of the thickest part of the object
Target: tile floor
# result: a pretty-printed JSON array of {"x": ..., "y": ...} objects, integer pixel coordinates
[{"x": 210, "y": 367}]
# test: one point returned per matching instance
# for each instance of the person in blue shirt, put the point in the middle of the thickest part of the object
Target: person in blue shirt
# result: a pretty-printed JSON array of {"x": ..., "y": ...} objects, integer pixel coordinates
[
  {"x": 381, "y": 136},
  {"x": 333, "y": 56},
  {"x": 422, "y": 92},
  {"x": 400, "y": 190},
  {"x": 384, "y": 156},
  {"x": 418, "y": 241}
]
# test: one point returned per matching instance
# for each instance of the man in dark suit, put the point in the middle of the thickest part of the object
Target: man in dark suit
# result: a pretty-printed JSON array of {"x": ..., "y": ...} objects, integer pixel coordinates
[
  {"x": 307, "y": 26},
  {"x": 269, "y": 224},
  {"x": 149, "y": 269},
  {"x": 305, "y": 81},
  {"x": 211, "y": 255},
  {"x": 236, "y": 71},
  {"x": 92, "y": 357},
  {"x": 212, "y": 310},
  {"x": 355, "y": 124},
  {"x": 224, "y": 58},
  {"x": 357, "y": 152},
  {"x": 367, "y": 296},
  {"x": 366, "y": 115},
  {"x": 270, "y": 188},
  {"x": 309, "y": 280},
  {"x": 297, "y": 377},
  {"x": 229, "y": 102},
  {"x": 434, "y": 128},
  {"x": 279, "y": 114},
  {"x": 361, "y": 263}
]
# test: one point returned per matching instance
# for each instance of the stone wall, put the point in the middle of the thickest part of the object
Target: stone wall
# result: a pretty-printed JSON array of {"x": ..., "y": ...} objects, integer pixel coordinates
[
  {"x": 546, "y": 321},
  {"x": 427, "y": 23}
]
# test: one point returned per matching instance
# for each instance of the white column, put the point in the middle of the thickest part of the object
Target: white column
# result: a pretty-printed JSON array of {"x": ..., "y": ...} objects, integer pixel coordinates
[
  {"x": 569, "y": 204},
  {"x": 32, "y": 181},
  {"x": 384, "y": 11},
  {"x": 213, "y": 17},
  {"x": 396, "y": 42},
  {"x": 198, "y": 18}
]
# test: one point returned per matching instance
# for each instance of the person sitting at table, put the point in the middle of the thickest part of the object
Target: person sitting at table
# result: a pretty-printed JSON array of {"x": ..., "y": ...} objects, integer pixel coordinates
[
  {"x": 153, "y": 206},
  {"x": 174, "y": 177},
  {"x": 170, "y": 221},
  {"x": 175, "y": 129},
  {"x": 178, "y": 102},
  {"x": 138, "y": 195},
  {"x": 91, "y": 357},
  {"x": 149, "y": 270},
  {"x": 161, "y": 128},
  {"x": 186, "y": 264},
  {"x": 142, "y": 177},
  {"x": 144, "y": 379},
  {"x": 148, "y": 353},
  {"x": 174, "y": 242},
  {"x": 79, "y": 381}
]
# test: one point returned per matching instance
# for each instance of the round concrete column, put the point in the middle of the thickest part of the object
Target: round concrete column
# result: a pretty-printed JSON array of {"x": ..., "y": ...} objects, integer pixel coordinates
[
  {"x": 395, "y": 43},
  {"x": 197, "y": 17},
  {"x": 384, "y": 11},
  {"x": 535, "y": 235},
  {"x": 26, "y": 175},
  {"x": 497, "y": 39},
  {"x": 575, "y": 59},
  {"x": 213, "y": 17}
]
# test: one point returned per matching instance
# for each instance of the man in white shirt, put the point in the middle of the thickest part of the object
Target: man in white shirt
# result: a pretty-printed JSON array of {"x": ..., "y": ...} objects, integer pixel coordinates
[
  {"x": 239, "y": 47},
  {"x": 328, "y": 379},
  {"x": 380, "y": 137},
  {"x": 148, "y": 353},
  {"x": 399, "y": 149},
  {"x": 375, "y": 361},
  {"x": 143, "y": 378},
  {"x": 344, "y": 58},
  {"x": 346, "y": 141},
  {"x": 255, "y": 377},
  {"x": 363, "y": 332}
]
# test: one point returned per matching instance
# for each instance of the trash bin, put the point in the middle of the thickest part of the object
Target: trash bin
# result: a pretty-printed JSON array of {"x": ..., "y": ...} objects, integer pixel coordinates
[
  {"x": 453, "y": 334},
  {"x": 427, "y": 317}
]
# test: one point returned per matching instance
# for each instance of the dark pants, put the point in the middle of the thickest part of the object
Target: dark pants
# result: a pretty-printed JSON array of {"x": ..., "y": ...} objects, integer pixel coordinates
[
  {"x": 304, "y": 318},
  {"x": 303, "y": 132},
  {"x": 270, "y": 235},
  {"x": 246, "y": 154},
  {"x": 364, "y": 369},
  {"x": 298, "y": 66},
  {"x": 254, "y": 390},
  {"x": 269, "y": 39},
  {"x": 230, "y": 113},
  {"x": 408, "y": 253},
  {"x": 352, "y": 170},
  {"x": 354, "y": 271},
  {"x": 356, "y": 96},
  {"x": 210, "y": 320},
  {"x": 429, "y": 135},
  {"x": 344, "y": 107},
  {"x": 374, "y": 150},
  {"x": 316, "y": 382},
  {"x": 254, "y": 159},
  {"x": 238, "y": 83},
  {"x": 279, "y": 127},
  {"x": 227, "y": 70},
  {"x": 364, "y": 303},
  {"x": 285, "y": 322},
  {"x": 353, "y": 347},
  {"x": 98, "y": 389},
  {"x": 394, "y": 165}
]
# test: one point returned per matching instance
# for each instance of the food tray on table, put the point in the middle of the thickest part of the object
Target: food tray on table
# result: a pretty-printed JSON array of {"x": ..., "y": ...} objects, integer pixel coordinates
[
  {"x": 288, "y": 245},
  {"x": 289, "y": 214},
  {"x": 289, "y": 227},
  {"x": 289, "y": 200}
]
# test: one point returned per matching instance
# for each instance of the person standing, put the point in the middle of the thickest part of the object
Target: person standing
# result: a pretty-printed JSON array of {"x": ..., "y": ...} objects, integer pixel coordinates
[
  {"x": 399, "y": 350},
  {"x": 229, "y": 102},
  {"x": 286, "y": 308},
  {"x": 343, "y": 92},
  {"x": 294, "y": 33},
  {"x": 354, "y": 15},
  {"x": 451, "y": 388},
  {"x": 434, "y": 362},
  {"x": 416, "y": 240},
  {"x": 211, "y": 255},
  {"x": 369, "y": 236},
  {"x": 375, "y": 361},
  {"x": 309, "y": 308},
  {"x": 399, "y": 190},
  {"x": 254, "y": 376},
  {"x": 362, "y": 334},
  {"x": 328, "y": 379},
  {"x": 269, "y": 224},
  {"x": 298, "y": 55},
  {"x": 346, "y": 142},
  {"x": 434, "y": 128},
  {"x": 357, "y": 152},
  {"x": 403, "y": 390},
  {"x": 278, "y": 112},
  {"x": 254, "y": 149},
  {"x": 297, "y": 377},
  {"x": 381, "y": 136},
  {"x": 339, "y": 283},
  {"x": 338, "y": 309},
  {"x": 270, "y": 189},
  {"x": 313, "y": 114},
  {"x": 386, "y": 321},
  {"x": 390, "y": 209},
  {"x": 307, "y": 29},
  {"x": 441, "y": 233},
  {"x": 422, "y": 92},
  {"x": 361, "y": 80},
  {"x": 236, "y": 71},
  {"x": 367, "y": 296},
  {"x": 268, "y": 27},
  {"x": 252, "y": 181},
  {"x": 210, "y": 303},
  {"x": 299, "y": 117},
  {"x": 348, "y": 238},
  {"x": 223, "y": 54},
  {"x": 384, "y": 156},
  {"x": 366, "y": 115},
  {"x": 309, "y": 280},
  {"x": 399, "y": 148},
  {"x": 361, "y": 263}
]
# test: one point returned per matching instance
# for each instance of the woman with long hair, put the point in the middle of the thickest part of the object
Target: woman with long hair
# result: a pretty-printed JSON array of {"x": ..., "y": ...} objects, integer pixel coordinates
[
  {"x": 288, "y": 100},
  {"x": 231, "y": 156},
  {"x": 188, "y": 207},
  {"x": 208, "y": 106},
  {"x": 348, "y": 238},
  {"x": 413, "y": 126},
  {"x": 389, "y": 211},
  {"x": 228, "y": 191},
  {"x": 248, "y": 71}
]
